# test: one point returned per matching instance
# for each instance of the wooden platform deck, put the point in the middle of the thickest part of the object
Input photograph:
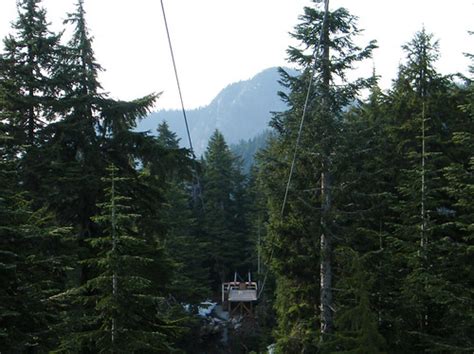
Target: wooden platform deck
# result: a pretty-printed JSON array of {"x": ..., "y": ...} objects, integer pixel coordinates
[{"x": 239, "y": 297}]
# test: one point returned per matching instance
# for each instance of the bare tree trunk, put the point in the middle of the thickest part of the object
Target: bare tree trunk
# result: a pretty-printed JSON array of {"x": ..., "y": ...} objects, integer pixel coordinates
[
  {"x": 326, "y": 258},
  {"x": 423, "y": 240},
  {"x": 114, "y": 249},
  {"x": 424, "y": 221},
  {"x": 31, "y": 96},
  {"x": 326, "y": 301},
  {"x": 31, "y": 122}
]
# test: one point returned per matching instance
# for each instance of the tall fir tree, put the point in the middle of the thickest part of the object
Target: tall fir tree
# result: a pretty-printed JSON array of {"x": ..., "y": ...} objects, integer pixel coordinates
[
  {"x": 26, "y": 71},
  {"x": 184, "y": 241},
  {"x": 304, "y": 238},
  {"x": 224, "y": 217},
  {"x": 420, "y": 112},
  {"x": 33, "y": 247},
  {"x": 121, "y": 301},
  {"x": 365, "y": 213},
  {"x": 95, "y": 130},
  {"x": 34, "y": 262},
  {"x": 456, "y": 269}
]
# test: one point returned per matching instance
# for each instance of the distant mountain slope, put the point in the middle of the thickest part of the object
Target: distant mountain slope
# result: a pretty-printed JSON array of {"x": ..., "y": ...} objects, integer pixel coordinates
[
  {"x": 246, "y": 149},
  {"x": 240, "y": 111}
]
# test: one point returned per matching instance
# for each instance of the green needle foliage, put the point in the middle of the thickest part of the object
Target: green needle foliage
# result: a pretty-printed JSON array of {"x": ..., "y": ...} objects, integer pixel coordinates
[
  {"x": 184, "y": 241},
  {"x": 224, "y": 214},
  {"x": 358, "y": 324},
  {"x": 26, "y": 71},
  {"x": 121, "y": 302},
  {"x": 304, "y": 238},
  {"x": 34, "y": 259}
]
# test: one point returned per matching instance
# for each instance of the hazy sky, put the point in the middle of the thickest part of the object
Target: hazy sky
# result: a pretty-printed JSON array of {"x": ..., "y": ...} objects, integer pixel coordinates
[{"x": 218, "y": 42}]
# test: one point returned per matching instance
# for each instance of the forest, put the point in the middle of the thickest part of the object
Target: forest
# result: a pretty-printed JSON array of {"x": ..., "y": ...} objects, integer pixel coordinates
[{"x": 111, "y": 239}]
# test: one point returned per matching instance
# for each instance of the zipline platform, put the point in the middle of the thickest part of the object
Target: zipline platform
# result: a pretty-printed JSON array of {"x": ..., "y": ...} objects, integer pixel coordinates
[{"x": 239, "y": 297}]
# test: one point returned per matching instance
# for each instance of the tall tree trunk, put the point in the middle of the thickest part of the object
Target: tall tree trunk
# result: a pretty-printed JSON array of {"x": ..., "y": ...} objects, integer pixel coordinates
[
  {"x": 326, "y": 237},
  {"x": 114, "y": 250},
  {"x": 424, "y": 221},
  {"x": 326, "y": 258},
  {"x": 31, "y": 123}
]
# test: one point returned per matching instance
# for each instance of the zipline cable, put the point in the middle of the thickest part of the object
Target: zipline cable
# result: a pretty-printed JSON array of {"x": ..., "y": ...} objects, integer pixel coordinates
[
  {"x": 195, "y": 173},
  {"x": 298, "y": 138},
  {"x": 177, "y": 79}
]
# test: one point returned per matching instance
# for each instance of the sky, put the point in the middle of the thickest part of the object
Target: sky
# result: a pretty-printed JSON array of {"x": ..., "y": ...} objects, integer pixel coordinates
[{"x": 218, "y": 42}]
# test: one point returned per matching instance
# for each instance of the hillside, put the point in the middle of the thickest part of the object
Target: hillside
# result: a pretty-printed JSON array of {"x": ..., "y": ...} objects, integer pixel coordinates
[
  {"x": 247, "y": 149},
  {"x": 240, "y": 111}
]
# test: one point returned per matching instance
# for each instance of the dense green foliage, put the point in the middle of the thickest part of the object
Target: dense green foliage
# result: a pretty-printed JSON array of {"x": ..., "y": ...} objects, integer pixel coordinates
[
  {"x": 120, "y": 302},
  {"x": 224, "y": 211},
  {"x": 34, "y": 261},
  {"x": 59, "y": 134},
  {"x": 314, "y": 212},
  {"x": 399, "y": 170},
  {"x": 184, "y": 239},
  {"x": 110, "y": 238}
]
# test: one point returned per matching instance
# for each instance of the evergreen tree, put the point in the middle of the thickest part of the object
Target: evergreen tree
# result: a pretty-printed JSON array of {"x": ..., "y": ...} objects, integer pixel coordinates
[
  {"x": 365, "y": 211},
  {"x": 456, "y": 268},
  {"x": 26, "y": 67},
  {"x": 357, "y": 323},
  {"x": 419, "y": 108},
  {"x": 75, "y": 147},
  {"x": 303, "y": 241},
  {"x": 224, "y": 219},
  {"x": 34, "y": 261},
  {"x": 95, "y": 130},
  {"x": 184, "y": 242},
  {"x": 71, "y": 153},
  {"x": 26, "y": 70},
  {"x": 257, "y": 220},
  {"x": 166, "y": 137},
  {"x": 121, "y": 301}
]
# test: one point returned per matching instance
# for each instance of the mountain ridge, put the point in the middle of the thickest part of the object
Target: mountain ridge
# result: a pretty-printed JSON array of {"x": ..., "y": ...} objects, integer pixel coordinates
[{"x": 240, "y": 111}]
